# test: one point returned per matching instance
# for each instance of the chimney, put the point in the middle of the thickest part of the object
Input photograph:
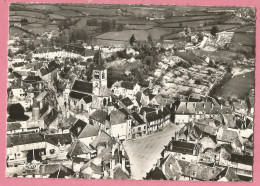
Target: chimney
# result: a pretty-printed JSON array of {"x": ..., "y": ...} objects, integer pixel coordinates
[
  {"x": 204, "y": 105},
  {"x": 157, "y": 111},
  {"x": 112, "y": 174},
  {"x": 99, "y": 132},
  {"x": 221, "y": 106},
  {"x": 144, "y": 116},
  {"x": 112, "y": 163},
  {"x": 177, "y": 136},
  {"x": 212, "y": 105},
  {"x": 123, "y": 164}
]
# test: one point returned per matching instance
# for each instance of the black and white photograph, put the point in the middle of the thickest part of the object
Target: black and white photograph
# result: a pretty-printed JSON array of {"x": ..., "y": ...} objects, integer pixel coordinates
[{"x": 132, "y": 92}]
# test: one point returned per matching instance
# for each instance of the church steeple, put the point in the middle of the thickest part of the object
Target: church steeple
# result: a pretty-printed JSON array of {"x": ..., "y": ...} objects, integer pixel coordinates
[{"x": 99, "y": 76}]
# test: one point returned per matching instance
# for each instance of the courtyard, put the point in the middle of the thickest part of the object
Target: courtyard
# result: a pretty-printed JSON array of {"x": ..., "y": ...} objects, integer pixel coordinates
[{"x": 144, "y": 152}]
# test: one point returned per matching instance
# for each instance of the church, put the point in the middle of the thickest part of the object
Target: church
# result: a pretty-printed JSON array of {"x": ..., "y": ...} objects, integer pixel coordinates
[{"x": 90, "y": 96}]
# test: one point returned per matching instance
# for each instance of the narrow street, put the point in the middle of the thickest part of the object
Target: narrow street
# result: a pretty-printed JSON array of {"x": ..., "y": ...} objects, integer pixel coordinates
[{"x": 144, "y": 152}]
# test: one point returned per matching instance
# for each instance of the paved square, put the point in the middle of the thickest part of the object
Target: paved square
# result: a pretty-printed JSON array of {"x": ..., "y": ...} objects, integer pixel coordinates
[{"x": 144, "y": 152}]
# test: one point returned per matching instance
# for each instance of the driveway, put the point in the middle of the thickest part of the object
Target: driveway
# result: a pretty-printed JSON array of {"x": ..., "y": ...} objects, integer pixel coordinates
[{"x": 144, "y": 152}]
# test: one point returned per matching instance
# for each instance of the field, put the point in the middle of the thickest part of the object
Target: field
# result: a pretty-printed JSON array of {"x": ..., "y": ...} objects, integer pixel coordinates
[
  {"x": 139, "y": 34},
  {"x": 29, "y": 19},
  {"x": 244, "y": 39},
  {"x": 238, "y": 86},
  {"x": 16, "y": 31},
  {"x": 68, "y": 13},
  {"x": 27, "y": 14},
  {"x": 221, "y": 55},
  {"x": 48, "y": 7}
]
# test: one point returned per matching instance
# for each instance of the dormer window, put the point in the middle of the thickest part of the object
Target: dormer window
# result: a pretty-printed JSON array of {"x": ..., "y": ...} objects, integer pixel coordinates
[{"x": 78, "y": 129}]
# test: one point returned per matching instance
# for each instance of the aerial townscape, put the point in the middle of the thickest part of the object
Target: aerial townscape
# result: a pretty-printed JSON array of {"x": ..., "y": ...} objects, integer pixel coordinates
[{"x": 152, "y": 92}]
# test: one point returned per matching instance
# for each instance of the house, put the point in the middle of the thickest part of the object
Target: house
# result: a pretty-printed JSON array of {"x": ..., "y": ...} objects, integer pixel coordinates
[
  {"x": 100, "y": 120},
  {"x": 101, "y": 141},
  {"x": 120, "y": 125},
  {"x": 24, "y": 148},
  {"x": 80, "y": 150},
  {"x": 126, "y": 103},
  {"x": 182, "y": 150},
  {"x": 92, "y": 169},
  {"x": 168, "y": 169},
  {"x": 157, "y": 119},
  {"x": 57, "y": 146},
  {"x": 51, "y": 120},
  {"x": 240, "y": 107},
  {"x": 139, "y": 127},
  {"x": 125, "y": 89},
  {"x": 84, "y": 132},
  {"x": 225, "y": 136}
]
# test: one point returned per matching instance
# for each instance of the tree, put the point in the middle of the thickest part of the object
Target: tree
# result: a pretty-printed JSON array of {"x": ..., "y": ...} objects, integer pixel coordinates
[
  {"x": 120, "y": 27},
  {"x": 150, "y": 38},
  {"x": 161, "y": 39},
  {"x": 214, "y": 30},
  {"x": 16, "y": 112},
  {"x": 132, "y": 40}
]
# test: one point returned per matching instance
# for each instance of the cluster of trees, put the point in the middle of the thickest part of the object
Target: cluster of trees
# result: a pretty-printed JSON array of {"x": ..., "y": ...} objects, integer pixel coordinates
[
  {"x": 16, "y": 112},
  {"x": 92, "y": 22},
  {"x": 24, "y": 20}
]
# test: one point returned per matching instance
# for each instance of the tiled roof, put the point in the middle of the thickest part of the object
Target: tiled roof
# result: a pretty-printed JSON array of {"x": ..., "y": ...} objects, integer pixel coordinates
[
  {"x": 58, "y": 138},
  {"x": 88, "y": 131},
  {"x": 82, "y": 86},
  {"x": 77, "y": 128},
  {"x": 127, "y": 85},
  {"x": 171, "y": 167},
  {"x": 13, "y": 126},
  {"x": 120, "y": 174},
  {"x": 147, "y": 110},
  {"x": 87, "y": 99},
  {"x": 51, "y": 117},
  {"x": 99, "y": 115},
  {"x": 181, "y": 147},
  {"x": 103, "y": 137},
  {"x": 77, "y": 95},
  {"x": 227, "y": 135},
  {"x": 160, "y": 114},
  {"x": 137, "y": 118},
  {"x": 69, "y": 121},
  {"x": 78, "y": 148},
  {"x": 23, "y": 139},
  {"x": 117, "y": 117},
  {"x": 243, "y": 159},
  {"x": 155, "y": 174},
  {"x": 199, "y": 172},
  {"x": 32, "y": 79},
  {"x": 127, "y": 101}
]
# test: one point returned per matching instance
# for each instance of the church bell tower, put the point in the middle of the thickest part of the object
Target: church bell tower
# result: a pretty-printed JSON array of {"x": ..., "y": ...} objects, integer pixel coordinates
[{"x": 99, "y": 78}]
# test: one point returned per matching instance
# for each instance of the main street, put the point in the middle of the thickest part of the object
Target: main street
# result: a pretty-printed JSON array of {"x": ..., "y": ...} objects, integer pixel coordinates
[{"x": 144, "y": 152}]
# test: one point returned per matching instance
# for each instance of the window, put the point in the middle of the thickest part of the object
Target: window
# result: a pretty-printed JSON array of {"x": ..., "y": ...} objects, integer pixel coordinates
[
  {"x": 52, "y": 151},
  {"x": 144, "y": 127},
  {"x": 139, "y": 128}
]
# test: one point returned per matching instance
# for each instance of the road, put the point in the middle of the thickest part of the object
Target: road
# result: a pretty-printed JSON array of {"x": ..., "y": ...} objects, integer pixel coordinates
[{"x": 144, "y": 152}]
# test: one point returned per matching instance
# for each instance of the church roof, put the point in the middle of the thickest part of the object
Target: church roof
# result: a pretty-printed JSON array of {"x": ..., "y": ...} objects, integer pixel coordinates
[{"x": 82, "y": 86}]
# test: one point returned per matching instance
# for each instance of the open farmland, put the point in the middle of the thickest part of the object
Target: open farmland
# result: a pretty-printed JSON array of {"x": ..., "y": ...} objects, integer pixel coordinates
[
  {"x": 68, "y": 13},
  {"x": 47, "y": 7},
  {"x": 57, "y": 17},
  {"x": 27, "y": 14},
  {"x": 139, "y": 34},
  {"x": 238, "y": 86},
  {"x": 29, "y": 19},
  {"x": 16, "y": 31}
]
